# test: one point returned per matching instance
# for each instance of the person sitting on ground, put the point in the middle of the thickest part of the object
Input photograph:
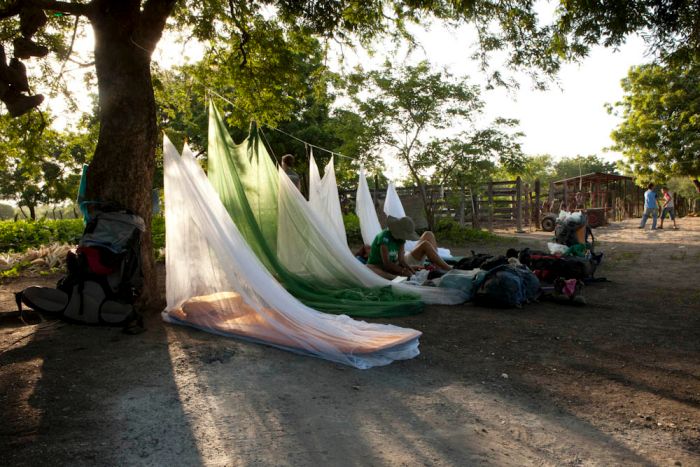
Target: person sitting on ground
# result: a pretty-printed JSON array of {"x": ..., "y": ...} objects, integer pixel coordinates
[
  {"x": 667, "y": 208},
  {"x": 288, "y": 167},
  {"x": 362, "y": 253},
  {"x": 387, "y": 256}
]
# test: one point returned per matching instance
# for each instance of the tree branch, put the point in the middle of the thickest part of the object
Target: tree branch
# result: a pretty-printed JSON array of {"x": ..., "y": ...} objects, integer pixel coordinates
[
  {"x": 74, "y": 8},
  {"x": 152, "y": 22}
]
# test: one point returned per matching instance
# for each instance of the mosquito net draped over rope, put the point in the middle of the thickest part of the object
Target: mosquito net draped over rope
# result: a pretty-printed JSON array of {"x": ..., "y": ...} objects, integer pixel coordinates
[
  {"x": 300, "y": 243},
  {"x": 215, "y": 282},
  {"x": 291, "y": 240}
]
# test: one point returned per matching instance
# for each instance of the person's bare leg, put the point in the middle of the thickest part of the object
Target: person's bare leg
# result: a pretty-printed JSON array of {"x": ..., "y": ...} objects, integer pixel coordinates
[
  {"x": 381, "y": 272},
  {"x": 423, "y": 249},
  {"x": 429, "y": 237}
]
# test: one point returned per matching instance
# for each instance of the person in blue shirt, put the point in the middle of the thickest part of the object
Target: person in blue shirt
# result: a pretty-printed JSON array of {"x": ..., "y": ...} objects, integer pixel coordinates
[{"x": 651, "y": 207}]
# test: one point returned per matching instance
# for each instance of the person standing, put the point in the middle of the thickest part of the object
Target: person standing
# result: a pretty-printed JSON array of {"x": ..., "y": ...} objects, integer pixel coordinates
[
  {"x": 668, "y": 207},
  {"x": 288, "y": 167},
  {"x": 651, "y": 207}
]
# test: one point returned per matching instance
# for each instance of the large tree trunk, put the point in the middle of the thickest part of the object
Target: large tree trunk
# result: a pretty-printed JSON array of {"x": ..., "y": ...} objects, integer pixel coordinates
[{"x": 123, "y": 165}]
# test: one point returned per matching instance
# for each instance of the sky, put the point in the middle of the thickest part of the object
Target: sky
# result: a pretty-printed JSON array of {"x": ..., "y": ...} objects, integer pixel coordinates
[{"x": 566, "y": 120}]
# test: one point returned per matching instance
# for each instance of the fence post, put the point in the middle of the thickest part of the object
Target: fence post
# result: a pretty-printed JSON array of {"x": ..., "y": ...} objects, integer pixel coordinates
[
  {"x": 566, "y": 196},
  {"x": 528, "y": 206},
  {"x": 519, "y": 206},
  {"x": 461, "y": 203},
  {"x": 537, "y": 204},
  {"x": 490, "y": 197},
  {"x": 376, "y": 189},
  {"x": 475, "y": 210}
]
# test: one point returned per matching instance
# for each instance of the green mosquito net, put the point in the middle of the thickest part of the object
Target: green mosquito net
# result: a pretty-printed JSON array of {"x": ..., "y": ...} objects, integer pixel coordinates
[{"x": 288, "y": 237}]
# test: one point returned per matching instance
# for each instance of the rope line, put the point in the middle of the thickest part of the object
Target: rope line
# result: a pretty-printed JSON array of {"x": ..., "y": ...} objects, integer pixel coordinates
[
  {"x": 333, "y": 153},
  {"x": 272, "y": 151}
]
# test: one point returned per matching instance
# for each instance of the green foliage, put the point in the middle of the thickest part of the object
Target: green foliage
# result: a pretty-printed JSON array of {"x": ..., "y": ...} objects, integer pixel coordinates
[
  {"x": 41, "y": 165},
  {"x": 406, "y": 107},
  {"x": 669, "y": 28},
  {"x": 545, "y": 168},
  {"x": 684, "y": 187},
  {"x": 281, "y": 84},
  {"x": 6, "y": 211},
  {"x": 660, "y": 131},
  {"x": 15, "y": 270},
  {"x": 449, "y": 232},
  {"x": 22, "y": 235},
  {"x": 352, "y": 228},
  {"x": 158, "y": 232},
  {"x": 568, "y": 167}
]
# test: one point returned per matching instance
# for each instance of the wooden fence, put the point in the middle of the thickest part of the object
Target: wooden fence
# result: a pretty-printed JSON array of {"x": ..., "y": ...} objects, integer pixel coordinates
[{"x": 502, "y": 204}]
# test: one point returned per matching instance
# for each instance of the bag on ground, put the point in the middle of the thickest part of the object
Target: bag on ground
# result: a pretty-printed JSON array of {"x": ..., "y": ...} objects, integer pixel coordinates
[
  {"x": 104, "y": 275},
  {"x": 508, "y": 286}
]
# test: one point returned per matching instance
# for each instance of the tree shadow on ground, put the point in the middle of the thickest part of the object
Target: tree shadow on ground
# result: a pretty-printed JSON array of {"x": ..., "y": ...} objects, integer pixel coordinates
[{"x": 84, "y": 395}]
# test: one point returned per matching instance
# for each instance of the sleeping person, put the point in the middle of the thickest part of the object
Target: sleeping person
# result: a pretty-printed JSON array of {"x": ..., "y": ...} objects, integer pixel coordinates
[{"x": 388, "y": 258}]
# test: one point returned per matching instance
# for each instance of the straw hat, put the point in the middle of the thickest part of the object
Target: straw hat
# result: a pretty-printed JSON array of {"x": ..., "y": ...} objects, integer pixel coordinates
[{"x": 402, "y": 229}]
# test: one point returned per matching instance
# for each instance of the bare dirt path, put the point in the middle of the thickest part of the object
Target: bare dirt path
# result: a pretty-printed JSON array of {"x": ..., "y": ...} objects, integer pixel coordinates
[{"x": 614, "y": 383}]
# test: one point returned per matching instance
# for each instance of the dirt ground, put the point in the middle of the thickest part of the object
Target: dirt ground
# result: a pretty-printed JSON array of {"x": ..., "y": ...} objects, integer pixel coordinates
[{"x": 616, "y": 382}]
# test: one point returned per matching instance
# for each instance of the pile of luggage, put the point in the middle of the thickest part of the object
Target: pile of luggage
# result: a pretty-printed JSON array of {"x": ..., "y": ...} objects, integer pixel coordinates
[{"x": 523, "y": 276}]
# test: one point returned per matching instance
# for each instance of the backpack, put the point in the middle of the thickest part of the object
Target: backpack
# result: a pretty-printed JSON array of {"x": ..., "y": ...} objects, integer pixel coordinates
[
  {"x": 550, "y": 267},
  {"x": 104, "y": 275},
  {"x": 508, "y": 286},
  {"x": 565, "y": 230},
  {"x": 480, "y": 261}
]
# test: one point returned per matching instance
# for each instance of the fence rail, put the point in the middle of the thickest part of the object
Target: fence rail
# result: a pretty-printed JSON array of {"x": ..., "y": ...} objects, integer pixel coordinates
[{"x": 508, "y": 203}]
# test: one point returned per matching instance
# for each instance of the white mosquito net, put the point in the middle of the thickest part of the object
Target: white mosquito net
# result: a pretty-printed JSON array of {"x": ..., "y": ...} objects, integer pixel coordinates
[
  {"x": 216, "y": 283},
  {"x": 309, "y": 258},
  {"x": 392, "y": 203},
  {"x": 364, "y": 208},
  {"x": 324, "y": 199}
]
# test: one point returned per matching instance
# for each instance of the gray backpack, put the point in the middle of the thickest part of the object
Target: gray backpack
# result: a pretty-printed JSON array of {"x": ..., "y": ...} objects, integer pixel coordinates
[{"x": 104, "y": 274}]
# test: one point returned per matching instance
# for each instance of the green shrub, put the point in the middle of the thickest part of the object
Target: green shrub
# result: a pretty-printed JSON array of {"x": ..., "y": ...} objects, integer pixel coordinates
[
  {"x": 22, "y": 235},
  {"x": 352, "y": 228},
  {"x": 450, "y": 232},
  {"x": 158, "y": 232}
]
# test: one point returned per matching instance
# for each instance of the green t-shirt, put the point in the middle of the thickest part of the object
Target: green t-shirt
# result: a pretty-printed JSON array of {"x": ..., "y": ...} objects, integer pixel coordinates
[{"x": 393, "y": 245}]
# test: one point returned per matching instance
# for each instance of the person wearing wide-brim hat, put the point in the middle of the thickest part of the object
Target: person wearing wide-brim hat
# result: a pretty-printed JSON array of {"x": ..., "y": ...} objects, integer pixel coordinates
[{"x": 387, "y": 256}]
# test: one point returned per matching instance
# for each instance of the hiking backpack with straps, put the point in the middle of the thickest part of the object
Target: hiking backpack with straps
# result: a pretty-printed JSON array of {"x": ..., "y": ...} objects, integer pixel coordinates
[{"x": 104, "y": 274}]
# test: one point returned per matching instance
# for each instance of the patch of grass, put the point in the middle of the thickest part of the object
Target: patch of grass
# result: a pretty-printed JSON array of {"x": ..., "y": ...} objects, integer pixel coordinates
[
  {"x": 631, "y": 256},
  {"x": 15, "y": 270},
  {"x": 449, "y": 231}
]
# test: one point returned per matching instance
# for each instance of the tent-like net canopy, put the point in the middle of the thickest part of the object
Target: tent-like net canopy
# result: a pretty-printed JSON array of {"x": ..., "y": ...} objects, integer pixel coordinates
[
  {"x": 215, "y": 282},
  {"x": 299, "y": 243}
]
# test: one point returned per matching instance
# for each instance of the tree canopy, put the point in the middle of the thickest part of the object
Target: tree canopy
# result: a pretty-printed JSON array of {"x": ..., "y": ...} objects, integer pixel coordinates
[
  {"x": 40, "y": 164},
  {"x": 412, "y": 113},
  {"x": 660, "y": 130}
]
